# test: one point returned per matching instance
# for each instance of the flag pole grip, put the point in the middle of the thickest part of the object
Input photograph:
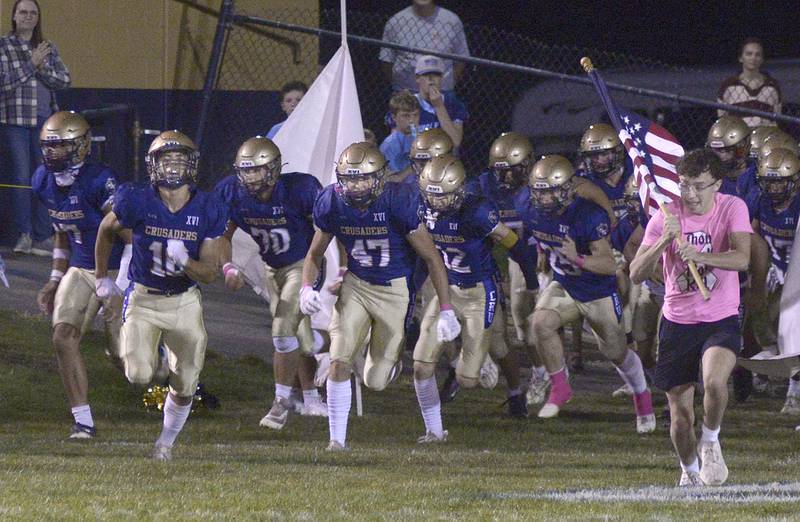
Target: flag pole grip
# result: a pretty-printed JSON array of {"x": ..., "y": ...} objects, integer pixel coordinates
[{"x": 692, "y": 266}]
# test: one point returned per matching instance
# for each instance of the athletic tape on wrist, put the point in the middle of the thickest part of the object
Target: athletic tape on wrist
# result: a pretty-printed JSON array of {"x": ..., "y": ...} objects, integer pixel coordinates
[
  {"x": 56, "y": 275},
  {"x": 60, "y": 253}
]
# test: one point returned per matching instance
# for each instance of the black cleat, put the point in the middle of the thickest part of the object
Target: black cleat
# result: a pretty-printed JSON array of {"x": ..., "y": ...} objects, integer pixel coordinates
[
  {"x": 742, "y": 384},
  {"x": 517, "y": 406},
  {"x": 450, "y": 387}
]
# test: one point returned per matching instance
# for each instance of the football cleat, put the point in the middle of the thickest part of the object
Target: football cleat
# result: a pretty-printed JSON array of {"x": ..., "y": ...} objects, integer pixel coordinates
[
  {"x": 690, "y": 479},
  {"x": 742, "y": 384},
  {"x": 337, "y": 446},
  {"x": 314, "y": 409},
  {"x": 792, "y": 405},
  {"x": 713, "y": 471},
  {"x": 623, "y": 391},
  {"x": 450, "y": 387},
  {"x": 537, "y": 387},
  {"x": 559, "y": 396},
  {"x": 646, "y": 423},
  {"x": 432, "y": 438},
  {"x": 278, "y": 414},
  {"x": 162, "y": 453},
  {"x": 82, "y": 431},
  {"x": 489, "y": 374},
  {"x": 645, "y": 418},
  {"x": 517, "y": 407}
]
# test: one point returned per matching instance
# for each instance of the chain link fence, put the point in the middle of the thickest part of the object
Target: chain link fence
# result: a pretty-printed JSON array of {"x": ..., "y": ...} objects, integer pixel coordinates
[{"x": 552, "y": 111}]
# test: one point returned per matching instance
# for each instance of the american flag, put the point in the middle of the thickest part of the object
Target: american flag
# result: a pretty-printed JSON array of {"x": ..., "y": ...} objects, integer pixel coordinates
[{"x": 654, "y": 153}]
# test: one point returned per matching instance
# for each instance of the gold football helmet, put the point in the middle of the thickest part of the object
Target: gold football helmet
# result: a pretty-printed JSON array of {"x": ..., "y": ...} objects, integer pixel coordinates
[
  {"x": 779, "y": 140},
  {"x": 442, "y": 184},
  {"x": 758, "y": 136},
  {"x": 510, "y": 158},
  {"x": 778, "y": 174},
  {"x": 633, "y": 203},
  {"x": 360, "y": 174},
  {"x": 66, "y": 141},
  {"x": 172, "y": 160},
  {"x": 429, "y": 144},
  {"x": 729, "y": 138},
  {"x": 601, "y": 150},
  {"x": 258, "y": 165},
  {"x": 550, "y": 181}
]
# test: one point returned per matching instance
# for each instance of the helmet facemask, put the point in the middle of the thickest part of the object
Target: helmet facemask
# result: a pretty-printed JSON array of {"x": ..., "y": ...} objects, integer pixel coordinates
[
  {"x": 550, "y": 199},
  {"x": 61, "y": 155},
  {"x": 260, "y": 179},
  {"x": 734, "y": 157},
  {"x": 603, "y": 163},
  {"x": 360, "y": 190},
  {"x": 778, "y": 190},
  {"x": 172, "y": 167},
  {"x": 441, "y": 204},
  {"x": 511, "y": 178}
]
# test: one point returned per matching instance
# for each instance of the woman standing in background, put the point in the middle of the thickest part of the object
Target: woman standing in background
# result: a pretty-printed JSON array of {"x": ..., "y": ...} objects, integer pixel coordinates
[
  {"x": 30, "y": 71},
  {"x": 752, "y": 88}
]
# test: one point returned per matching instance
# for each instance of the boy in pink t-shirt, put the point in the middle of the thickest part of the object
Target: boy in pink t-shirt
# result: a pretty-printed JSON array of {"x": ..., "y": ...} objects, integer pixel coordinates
[{"x": 715, "y": 229}]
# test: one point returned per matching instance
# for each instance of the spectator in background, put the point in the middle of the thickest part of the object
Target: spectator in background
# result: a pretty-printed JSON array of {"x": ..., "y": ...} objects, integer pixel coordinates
[
  {"x": 752, "y": 88},
  {"x": 291, "y": 94},
  {"x": 404, "y": 108},
  {"x": 369, "y": 137},
  {"x": 423, "y": 25},
  {"x": 30, "y": 71},
  {"x": 438, "y": 108}
]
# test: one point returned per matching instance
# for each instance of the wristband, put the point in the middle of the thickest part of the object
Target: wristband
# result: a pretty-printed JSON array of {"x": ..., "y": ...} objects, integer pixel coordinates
[
  {"x": 56, "y": 275},
  {"x": 60, "y": 253},
  {"x": 445, "y": 307},
  {"x": 580, "y": 261},
  {"x": 228, "y": 267}
]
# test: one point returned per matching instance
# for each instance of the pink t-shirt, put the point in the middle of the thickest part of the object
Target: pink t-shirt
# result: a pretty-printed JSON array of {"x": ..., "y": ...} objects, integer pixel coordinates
[{"x": 710, "y": 232}]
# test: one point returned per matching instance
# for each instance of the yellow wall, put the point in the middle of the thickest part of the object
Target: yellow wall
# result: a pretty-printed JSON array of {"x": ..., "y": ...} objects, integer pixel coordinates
[{"x": 165, "y": 44}]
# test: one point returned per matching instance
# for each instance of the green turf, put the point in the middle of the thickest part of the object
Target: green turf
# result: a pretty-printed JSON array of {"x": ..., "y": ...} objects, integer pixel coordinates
[{"x": 226, "y": 467}]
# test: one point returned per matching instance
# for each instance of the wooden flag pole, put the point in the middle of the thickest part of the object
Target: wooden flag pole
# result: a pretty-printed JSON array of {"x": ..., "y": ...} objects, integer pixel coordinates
[{"x": 587, "y": 65}]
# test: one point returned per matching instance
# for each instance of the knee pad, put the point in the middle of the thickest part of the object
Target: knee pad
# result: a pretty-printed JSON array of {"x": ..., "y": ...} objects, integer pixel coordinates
[{"x": 285, "y": 344}]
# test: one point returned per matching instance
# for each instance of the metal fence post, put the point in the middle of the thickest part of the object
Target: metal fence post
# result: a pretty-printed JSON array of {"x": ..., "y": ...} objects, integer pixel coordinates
[{"x": 225, "y": 13}]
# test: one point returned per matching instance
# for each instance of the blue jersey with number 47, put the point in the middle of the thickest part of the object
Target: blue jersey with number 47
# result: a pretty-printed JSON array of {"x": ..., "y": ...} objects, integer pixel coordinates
[
  {"x": 375, "y": 237},
  {"x": 282, "y": 225},
  {"x": 584, "y": 222},
  {"x": 140, "y": 209},
  {"x": 77, "y": 210}
]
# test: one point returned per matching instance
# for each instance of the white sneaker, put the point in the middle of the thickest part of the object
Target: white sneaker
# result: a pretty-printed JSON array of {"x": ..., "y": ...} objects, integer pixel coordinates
[
  {"x": 336, "y": 446},
  {"x": 623, "y": 391},
  {"x": 431, "y": 437},
  {"x": 548, "y": 411},
  {"x": 314, "y": 409},
  {"x": 296, "y": 400},
  {"x": 537, "y": 387},
  {"x": 792, "y": 405},
  {"x": 162, "y": 453},
  {"x": 490, "y": 373},
  {"x": 23, "y": 245},
  {"x": 277, "y": 415},
  {"x": 646, "y": 423},
  {"x": 690, "y": 479},
  {"x": 713, "y": 471}
]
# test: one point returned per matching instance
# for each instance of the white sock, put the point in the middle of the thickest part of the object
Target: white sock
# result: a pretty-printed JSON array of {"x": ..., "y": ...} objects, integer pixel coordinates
[
  {"x": 174, "y": 418},
  {"x": 310, "y": 396},
  {"x": 281, "y": 390},
  {"x": 83, "y": 415},
  {"x": 709, "y": 435},
  {"x": 513, "y": 393},
  {"x": 429, "y": 404},
  {"x": 694, "y": 466},
  {"x": 340, "y": 395},
  {"x": 632, "y": 372},
  {"x": 794, "y": 388}
]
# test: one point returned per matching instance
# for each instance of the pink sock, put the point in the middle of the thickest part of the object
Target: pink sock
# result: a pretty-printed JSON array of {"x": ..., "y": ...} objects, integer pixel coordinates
[
  {"x": 643, "y": 403},
  {"x": 560, "y": 390}
]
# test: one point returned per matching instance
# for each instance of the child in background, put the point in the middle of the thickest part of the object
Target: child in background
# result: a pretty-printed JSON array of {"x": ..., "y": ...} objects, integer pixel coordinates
[
  {"x": 404, "y": 108},
  {"x": 291, "y": 94}
]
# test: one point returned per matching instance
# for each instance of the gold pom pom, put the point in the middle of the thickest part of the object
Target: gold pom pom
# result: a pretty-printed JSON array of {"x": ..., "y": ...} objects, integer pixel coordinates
[{"x": 154, "y": 397}]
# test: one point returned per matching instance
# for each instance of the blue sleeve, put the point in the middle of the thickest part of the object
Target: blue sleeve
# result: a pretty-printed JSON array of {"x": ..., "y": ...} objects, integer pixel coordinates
[
  {"x": 223, "y": 191},
  {"x": 105, "y": 188},
  {"x": 309, "y": 190},
  {"x": 127, "y": 204},
  {"x": 405, "y": 206},
  {"x": 485, "y": 218},
  {"x": 596, "y": 225},
  {"x": 217, "y": 217},
  {"x": 456, "y": 109},
  {"x": 322, "y": 210},
  {"x": 38, "y": 183}
]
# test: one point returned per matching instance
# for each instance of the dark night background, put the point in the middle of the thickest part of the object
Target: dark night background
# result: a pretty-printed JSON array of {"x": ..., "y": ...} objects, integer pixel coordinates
[{"x": 682, "y": 33}]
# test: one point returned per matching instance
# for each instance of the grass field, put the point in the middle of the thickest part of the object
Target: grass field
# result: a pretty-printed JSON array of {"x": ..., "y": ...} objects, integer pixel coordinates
[{"x": 226, "y": 467}]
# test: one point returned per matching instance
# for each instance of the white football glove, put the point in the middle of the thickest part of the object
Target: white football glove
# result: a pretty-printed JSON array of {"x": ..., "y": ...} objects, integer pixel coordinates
[
  {"x": 447, "y": 328},
  {"x": 176, "y": 251},
  {"x": 310, "y": 301},
  {"x": 105, "y": 287}
]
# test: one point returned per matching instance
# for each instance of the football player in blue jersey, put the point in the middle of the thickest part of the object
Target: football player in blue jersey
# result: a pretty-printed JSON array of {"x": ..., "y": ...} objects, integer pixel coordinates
[
  {"x": 175, "y": 228},
  {"x": 276, "y": 211},
  {"x": 573, "y": 233},
  {"x": 775, "y": 224},
  {"x": 77, "y": 194},
  {"x": 464, "y": 228},
  {"x": 427, "y": 145},
  {"x": 757, "y": 137},
  {"x": 381, "y": 231}
]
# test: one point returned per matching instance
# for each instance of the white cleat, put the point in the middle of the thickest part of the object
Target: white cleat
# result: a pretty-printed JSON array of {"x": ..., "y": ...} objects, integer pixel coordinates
[
  {"x": 162, "y": 453},
  {"x": 792, "y": 405},
  {"x": 548, "y": 411},
  {"x": 537, "y": 388},
  {"x": 336, "y": 446},
  {"x": 432, "y": 438},
  {"x": 646, "y": 423},
  {"x": 314, "y": 409},
  {"x": 690, "y": 479},
  {"x": 278, "y": 414},
  {"x": 623, "y": 391},
  {"x": 489, "y": 374},
  {"x": 713, "y": 471}
]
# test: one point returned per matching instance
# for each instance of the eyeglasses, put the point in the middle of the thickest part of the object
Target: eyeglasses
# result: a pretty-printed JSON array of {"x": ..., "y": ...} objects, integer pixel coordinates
[
  {"x": 23, "y": 13},
  {"x": 688, "y": 187}
]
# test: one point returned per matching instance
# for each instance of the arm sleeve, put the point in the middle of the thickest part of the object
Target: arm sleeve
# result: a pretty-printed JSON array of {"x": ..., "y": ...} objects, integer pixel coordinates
[
  {"x": 126, "y": 205},
  {"x": 217, "y": 217},
  {"x": 310, "y": 189},
  {"x": 597, "y": 225},
  {"x": 105, "y": 188},
  {"x": 405, "y": 208},
  {"x": 653, "y": 231},
  {"x": 54, "y": 73},
  {"x": 322, "y": 210},
  {"x": 527, "y": 257},
  {"x": 37, "y": 184}
]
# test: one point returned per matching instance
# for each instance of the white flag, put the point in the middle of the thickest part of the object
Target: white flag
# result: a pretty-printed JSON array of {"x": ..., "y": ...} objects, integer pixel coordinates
[{"x": 324, "y": 123}]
